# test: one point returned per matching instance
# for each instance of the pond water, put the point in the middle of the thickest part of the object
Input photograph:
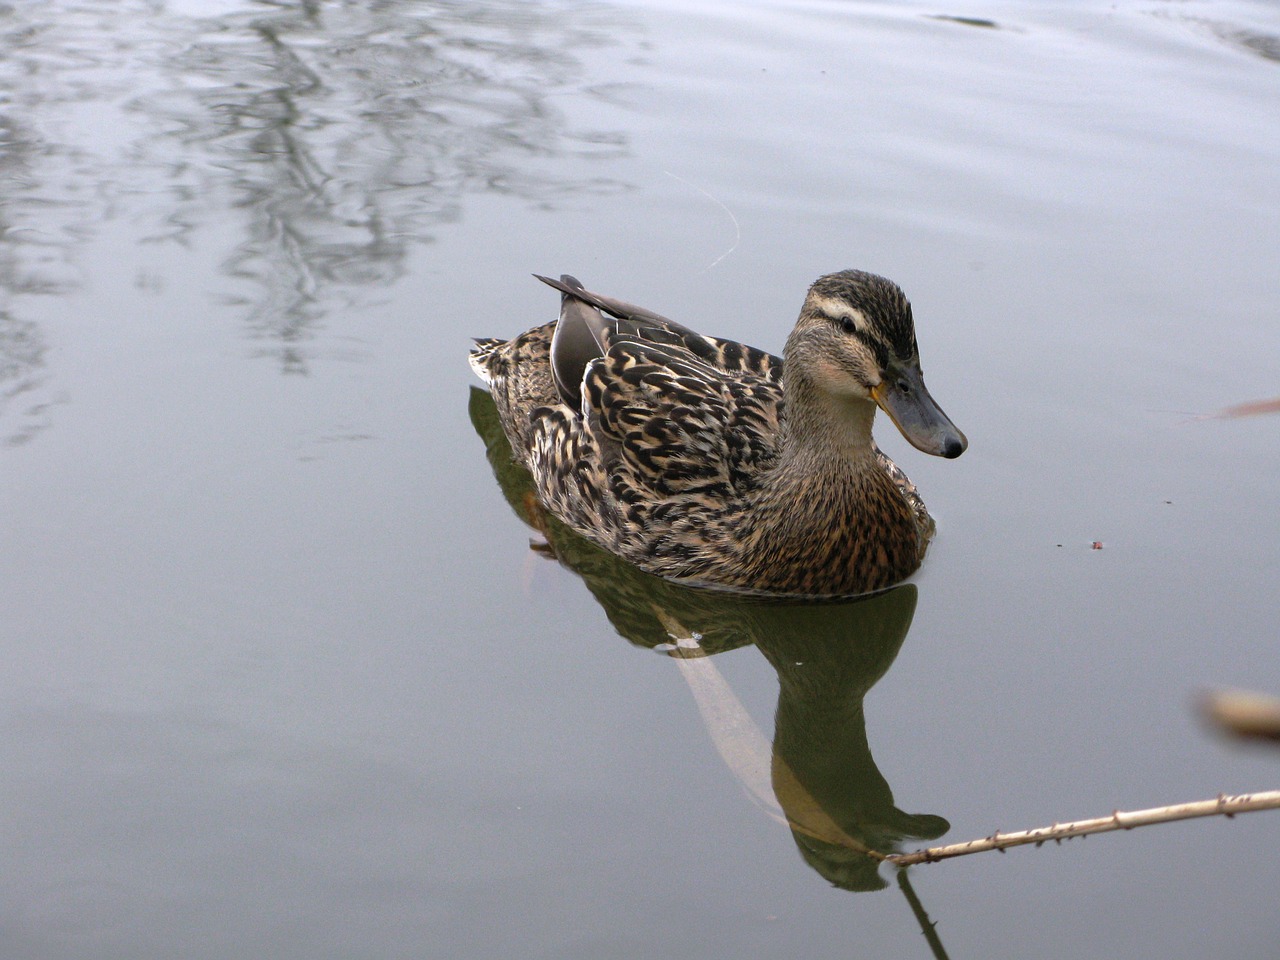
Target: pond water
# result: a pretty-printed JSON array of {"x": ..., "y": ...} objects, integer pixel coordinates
[{"x": 284, "y": 676}]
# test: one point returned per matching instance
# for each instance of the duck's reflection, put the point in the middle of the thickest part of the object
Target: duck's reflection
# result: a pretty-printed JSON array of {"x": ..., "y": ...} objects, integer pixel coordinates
[{"x": 827, "y": 656}]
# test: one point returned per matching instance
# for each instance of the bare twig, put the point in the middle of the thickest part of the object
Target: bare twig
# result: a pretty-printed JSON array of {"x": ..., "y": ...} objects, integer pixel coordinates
[{"x": 1120, "y": 820}]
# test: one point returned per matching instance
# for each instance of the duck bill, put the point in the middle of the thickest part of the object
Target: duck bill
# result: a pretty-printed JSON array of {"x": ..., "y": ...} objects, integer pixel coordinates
[{"x": 903, "y": 396}]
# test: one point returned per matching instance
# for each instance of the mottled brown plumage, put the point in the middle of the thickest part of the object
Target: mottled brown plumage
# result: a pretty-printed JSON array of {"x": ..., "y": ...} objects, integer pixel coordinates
[{"x": 710, "y": 462}]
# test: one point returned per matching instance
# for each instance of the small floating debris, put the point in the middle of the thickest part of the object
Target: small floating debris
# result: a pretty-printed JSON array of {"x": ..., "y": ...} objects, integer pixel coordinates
[{"x": 1097, "y": 545}]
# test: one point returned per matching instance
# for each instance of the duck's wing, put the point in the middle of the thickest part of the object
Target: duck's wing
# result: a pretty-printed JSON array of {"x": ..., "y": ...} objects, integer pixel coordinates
[
  {"x": 925, "y": 524},
  {"x": 666, "y": 429},
  {"x": 681, "y": 426},
  {"x": 665, "y": 442}
]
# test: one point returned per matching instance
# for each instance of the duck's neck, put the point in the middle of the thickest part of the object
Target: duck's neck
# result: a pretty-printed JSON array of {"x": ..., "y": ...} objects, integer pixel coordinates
[
  {"x": 823, "y": 428},
  {"x": 828, "y": 519}
]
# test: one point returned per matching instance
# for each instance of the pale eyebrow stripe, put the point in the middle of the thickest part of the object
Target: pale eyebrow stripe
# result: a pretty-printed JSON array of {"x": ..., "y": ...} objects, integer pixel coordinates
[{"x": 834, "y": 307}]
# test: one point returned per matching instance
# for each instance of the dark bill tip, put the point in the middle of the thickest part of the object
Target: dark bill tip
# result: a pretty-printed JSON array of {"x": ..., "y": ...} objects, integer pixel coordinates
[{"x": 903, "y": 396}]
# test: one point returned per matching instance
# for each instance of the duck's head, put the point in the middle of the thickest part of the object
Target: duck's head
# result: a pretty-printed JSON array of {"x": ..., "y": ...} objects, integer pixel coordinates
[{"x": 855, "y": 340}]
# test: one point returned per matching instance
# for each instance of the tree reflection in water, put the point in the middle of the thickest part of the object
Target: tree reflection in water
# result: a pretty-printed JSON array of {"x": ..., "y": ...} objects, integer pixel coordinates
[
  {"x": 331, "y": 138},
  {"x": 344, "y": 134}
]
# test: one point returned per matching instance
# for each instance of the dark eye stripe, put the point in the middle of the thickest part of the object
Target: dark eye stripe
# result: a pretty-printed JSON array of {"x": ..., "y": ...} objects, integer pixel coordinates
[{"x": 877, "y": 347}]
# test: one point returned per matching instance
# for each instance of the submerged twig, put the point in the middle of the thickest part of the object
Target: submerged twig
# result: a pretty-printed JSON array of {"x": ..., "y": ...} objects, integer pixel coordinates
[
  {"x": 1251, "y": 409},
  {"x": 1120, "y": 820},
  {"x": 1250, "y": 716}
]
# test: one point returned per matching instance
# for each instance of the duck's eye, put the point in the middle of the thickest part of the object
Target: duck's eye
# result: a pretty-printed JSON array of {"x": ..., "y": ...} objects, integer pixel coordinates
[{"x": 847, "y": 325}]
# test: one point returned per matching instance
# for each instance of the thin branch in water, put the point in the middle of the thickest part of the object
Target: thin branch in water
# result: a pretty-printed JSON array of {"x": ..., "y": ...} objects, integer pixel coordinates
[{"x": 1120, "y": 820}]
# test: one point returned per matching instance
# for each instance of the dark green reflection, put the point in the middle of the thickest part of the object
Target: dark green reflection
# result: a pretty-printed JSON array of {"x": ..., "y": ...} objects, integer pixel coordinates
[{"x": 827, "y": 656}]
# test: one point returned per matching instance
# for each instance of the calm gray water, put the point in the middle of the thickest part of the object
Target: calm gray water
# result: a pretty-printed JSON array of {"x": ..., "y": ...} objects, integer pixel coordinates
[{"x": 282, "y": 675}]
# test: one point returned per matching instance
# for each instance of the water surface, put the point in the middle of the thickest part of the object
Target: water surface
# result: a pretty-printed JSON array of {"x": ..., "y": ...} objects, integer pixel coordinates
[{"x": 284, "y": 677}]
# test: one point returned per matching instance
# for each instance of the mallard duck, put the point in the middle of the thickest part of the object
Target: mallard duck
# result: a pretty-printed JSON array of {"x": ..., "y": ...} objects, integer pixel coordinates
[{"x": 709, "y": 462}]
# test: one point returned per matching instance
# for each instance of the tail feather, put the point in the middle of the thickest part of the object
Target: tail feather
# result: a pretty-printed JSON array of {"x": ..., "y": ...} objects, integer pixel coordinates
[
  {"x": 616, "y": 308},
  {"x": 482, "y": 354}
]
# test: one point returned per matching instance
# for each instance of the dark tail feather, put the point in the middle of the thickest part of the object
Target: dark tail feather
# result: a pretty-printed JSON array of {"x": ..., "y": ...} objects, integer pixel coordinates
[
  {"x": 581, "y": 335},
  {"x": 618, "y": 308}
]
